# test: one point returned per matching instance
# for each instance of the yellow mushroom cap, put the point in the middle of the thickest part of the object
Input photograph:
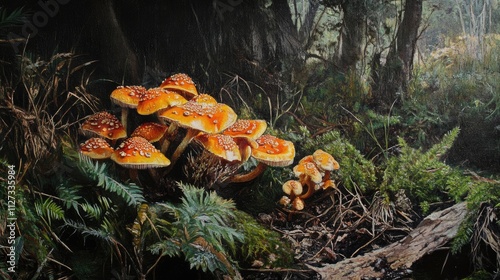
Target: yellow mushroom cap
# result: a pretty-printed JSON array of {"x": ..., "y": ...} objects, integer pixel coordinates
[
  {"x": 138, "y": 153},
  {"x": 298, "y": 203},
  {"x": 325, "y": 161},
  {"x": 292, "y": 187},
  {"x": 306, "y": 168},
  {"x": 274, "y": 151},
  {"x": 150, "y": 131}
]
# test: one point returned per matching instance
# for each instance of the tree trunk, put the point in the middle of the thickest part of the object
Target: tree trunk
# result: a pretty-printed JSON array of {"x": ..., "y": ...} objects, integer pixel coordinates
[
  {"x": 390, "y": 81},
  {"x": 352, "y": 34},
  {"x": 431, "y": 234}
]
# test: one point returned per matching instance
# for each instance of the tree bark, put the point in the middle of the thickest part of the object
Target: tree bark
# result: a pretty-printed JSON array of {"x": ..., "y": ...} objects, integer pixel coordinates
[
  {"x": 352, "y": 33},
  {"x": 432, "y": 233},
  {"x": 391, "y": 79}
]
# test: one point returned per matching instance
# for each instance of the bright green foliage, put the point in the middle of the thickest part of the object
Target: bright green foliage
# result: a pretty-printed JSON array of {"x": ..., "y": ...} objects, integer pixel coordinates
[
  {"x": 261, "y": 243},
  {"x": 423, "y": 176},
  {"x": 355, "y": 170},
  {"x": 200, "y": 229}
]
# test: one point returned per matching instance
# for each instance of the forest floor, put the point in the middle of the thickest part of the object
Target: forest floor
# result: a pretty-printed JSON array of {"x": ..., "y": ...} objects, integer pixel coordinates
[{"x": 339, "y": 225}]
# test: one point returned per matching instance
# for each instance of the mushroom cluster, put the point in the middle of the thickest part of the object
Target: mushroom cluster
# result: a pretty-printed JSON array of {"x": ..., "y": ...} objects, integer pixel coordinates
[
  {"x": 313, "y": 173},
  {"x": 179, "y": 109}
]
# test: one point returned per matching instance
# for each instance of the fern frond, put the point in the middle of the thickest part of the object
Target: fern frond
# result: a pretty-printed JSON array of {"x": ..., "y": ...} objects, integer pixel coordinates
[
  {"x": 97, "y": 172},
  {"x": 49, "y": 210}
]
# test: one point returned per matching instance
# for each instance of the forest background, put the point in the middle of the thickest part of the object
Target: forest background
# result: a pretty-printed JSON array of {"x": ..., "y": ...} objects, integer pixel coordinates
[{"x": 404, "y": 94}]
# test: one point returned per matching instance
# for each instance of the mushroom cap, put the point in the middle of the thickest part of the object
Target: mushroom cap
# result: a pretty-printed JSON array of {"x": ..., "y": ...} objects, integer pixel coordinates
[
  {"x": 150, "y": 131},
  {"x": 325, "y": 161},
  {"x": 274, "y": 151},
  {"x": 306, "y": 168},
  {"x": 138, "y": 153},
  {"x": 285, "y": 200},
  {"x": 181, "y": 83},
  {"x": 96, "y": 148},
  {"x": 298, "y": 203},
  {"x": 328, "y": 184},
  {"x": 208, "y": 118},
  {"x": 220, "y": 145},
  {"x": 105, "y": 125},
  {"x": 292, "y": 187},
  {"x": 155, "y": 99},
  {"x": 252, "y": 129},
  {"x": 204, "y": 98},
  {"x": 127, "y": 96}
]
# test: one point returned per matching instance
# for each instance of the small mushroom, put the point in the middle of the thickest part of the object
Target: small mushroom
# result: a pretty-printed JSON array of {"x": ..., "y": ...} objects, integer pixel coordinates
[
  {"x": 181, "y": 83},
  {"x": 293, "y": 188},
  {"x": 137, "y": 153},
  {"x": 127, "y": 97},
  {"x": 153, "y": 132},
  {"x": 325, "y": 162},
  {"x": 272, "y": 151},
  {"x": 298, "y": 203},
  {"x": 308, "y": 174},
  {"x": 96, "y": 148},
  {"x": 105, "y": 125}
]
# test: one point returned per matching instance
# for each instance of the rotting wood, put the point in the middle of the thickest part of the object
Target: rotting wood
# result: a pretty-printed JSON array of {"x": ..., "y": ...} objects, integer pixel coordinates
[{"x": 432, "y": 233}]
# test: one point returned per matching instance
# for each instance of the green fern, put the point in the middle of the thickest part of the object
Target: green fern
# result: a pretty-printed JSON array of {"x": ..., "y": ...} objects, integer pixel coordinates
[
  {"x": 200, "y": 229},
  {"x": 48, "y": 210},
  {"x": 424, "y": 177},
  {"x": 131, "y": 193}
]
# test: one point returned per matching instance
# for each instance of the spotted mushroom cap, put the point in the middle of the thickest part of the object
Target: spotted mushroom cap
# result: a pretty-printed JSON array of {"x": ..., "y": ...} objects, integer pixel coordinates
[
  {"x": 181, "y": 83},
  {"x": 96, "y": 148},
  {"x": 306, "y": 168},
  {"x": 150, "y": 131},
  {"x": 292, "y": 187},
  {"x": 252, "y": 129},
  {"x": 204, "y": 98},
  {"x": 274, "y": 151},
  {"x": 105, "y": 125},
  {"x": 208, "y": 118},
  {"x": 127, "y": 96},
  {"x": 220, "y": 145},
  {"x": 156, "y": 99},
  {"x": 325, "y": 161},
  {"x": 138, "y": 153}
]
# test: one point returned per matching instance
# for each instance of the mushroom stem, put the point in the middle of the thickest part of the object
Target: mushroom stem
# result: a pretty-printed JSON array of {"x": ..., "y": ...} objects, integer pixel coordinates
[
  {"x": 134, "y": 176},
  {"x": 168, "y": 137},
  {"x": 310, "y": 189},
  {"x": 240, "y": 178},
  {"x": 190, "y": 134},
  {"x": 124, "y": 118}
]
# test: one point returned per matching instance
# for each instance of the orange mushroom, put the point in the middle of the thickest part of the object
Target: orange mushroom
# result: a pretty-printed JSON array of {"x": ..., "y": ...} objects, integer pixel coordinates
[
  {"x": 223, "y": 146},
  {"x": 293, "y": 188},
  {"x": 153, "y": 132},
  {"x": 252, "y": 129},
  {"x": 181, "y": 83},
  {"x": 156, "y": 99},
  {"x": 272, "y": 151},
  {"x": 127, "y": 97},
  {"x": 137, "y": 153},
  {"x": 198, "y": 117},
  {"x": 105, "y": 125},
  {"x": 325, "y": 162},
  {"x": 96, "y": 148}
]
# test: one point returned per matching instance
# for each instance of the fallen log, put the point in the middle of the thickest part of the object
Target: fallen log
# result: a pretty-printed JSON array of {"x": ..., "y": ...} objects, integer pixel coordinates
[{"x": 432, "y": 233}]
